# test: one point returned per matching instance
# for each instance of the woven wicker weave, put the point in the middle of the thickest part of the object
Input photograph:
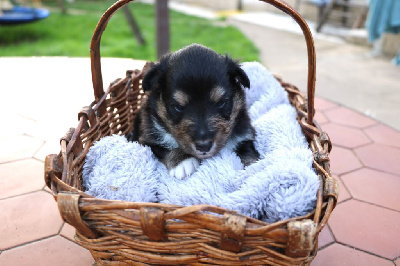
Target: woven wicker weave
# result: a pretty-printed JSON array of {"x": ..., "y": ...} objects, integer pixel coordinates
[{"x": 126, "y": 233}]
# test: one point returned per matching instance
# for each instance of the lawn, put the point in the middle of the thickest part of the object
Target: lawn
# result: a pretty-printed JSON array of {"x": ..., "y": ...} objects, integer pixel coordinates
[{"x": 69, "y": 35}]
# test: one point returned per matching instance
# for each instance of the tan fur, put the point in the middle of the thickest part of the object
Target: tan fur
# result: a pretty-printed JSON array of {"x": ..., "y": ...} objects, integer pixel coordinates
[
  {"x": 216, "y": 94},
  {"x": 223, "y": 129},
  {"x": 181, "y": 97},
  {"x": 181, "y": 130},
  {"x": 162, "y": 111},
  {"x": 238, "y": 103},
  {"x": 143, "y": 125}
]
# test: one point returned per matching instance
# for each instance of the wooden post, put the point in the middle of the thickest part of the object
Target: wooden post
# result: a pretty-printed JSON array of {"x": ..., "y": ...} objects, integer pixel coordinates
[
  {"x": 240, "y": 5},
  {"x": 345, "y": 10},
  {"x": 162, "y": 27},
  {"x": 62, "y": 6},
  {"x": 325, "y": 14},
  {"x": 133, "y": 25}
]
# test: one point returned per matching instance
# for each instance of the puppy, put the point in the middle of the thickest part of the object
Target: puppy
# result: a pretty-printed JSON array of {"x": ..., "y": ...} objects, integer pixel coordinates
[{"x": 194, "y": 106}]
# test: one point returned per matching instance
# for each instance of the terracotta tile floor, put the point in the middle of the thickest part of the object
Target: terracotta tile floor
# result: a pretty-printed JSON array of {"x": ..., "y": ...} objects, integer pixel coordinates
[{"x": 364, "y": 229}]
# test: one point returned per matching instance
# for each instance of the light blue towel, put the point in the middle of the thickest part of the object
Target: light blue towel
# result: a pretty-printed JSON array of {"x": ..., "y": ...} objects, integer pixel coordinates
[
  {"x": 396, "y": 60},
  {"x": 281, "y": 185},
  {"x": 383, "y": 16},
  {"x": 320, "y": 2}
]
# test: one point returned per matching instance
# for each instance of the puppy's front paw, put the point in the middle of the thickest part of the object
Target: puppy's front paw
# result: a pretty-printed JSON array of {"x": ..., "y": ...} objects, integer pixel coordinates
[{"x": 184, "y": 168}]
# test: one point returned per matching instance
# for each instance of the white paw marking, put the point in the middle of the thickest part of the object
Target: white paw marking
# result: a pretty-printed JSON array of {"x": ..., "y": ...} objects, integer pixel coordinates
[{"x": 184, "y": 168}]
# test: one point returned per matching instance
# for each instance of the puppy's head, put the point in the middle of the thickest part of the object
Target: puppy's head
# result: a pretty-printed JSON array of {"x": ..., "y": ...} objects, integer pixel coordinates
[{"x": 196, "y": 95}]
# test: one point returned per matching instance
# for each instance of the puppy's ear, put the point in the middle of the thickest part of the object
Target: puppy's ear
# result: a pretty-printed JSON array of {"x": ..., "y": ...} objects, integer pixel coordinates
[
  {"x": 236, "y": 73},
  {"x": 155, "y": 75}
]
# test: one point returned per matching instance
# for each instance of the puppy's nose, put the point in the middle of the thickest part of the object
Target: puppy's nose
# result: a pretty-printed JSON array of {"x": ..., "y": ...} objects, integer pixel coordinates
[{"x": 203, "y": 145}]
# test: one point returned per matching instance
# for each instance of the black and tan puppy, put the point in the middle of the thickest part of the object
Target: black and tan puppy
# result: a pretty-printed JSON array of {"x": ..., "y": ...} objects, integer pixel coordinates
[{"x": 195, "y": 106}]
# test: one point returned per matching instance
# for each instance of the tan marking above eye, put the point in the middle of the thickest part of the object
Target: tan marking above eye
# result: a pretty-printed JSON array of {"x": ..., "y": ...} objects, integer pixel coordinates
[
  {"x": 216, "y": 94},
  {"x": 181, "y": 97},
  {"x": 161, "y": 110}
]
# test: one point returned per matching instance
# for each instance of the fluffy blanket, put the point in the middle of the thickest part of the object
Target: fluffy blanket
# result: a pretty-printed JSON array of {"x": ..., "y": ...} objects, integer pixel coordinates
[{"x": 281, "y": 185}]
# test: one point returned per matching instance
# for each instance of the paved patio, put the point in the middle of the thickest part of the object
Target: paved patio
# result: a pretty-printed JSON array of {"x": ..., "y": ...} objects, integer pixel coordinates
[{"x": 41, "y": 105}]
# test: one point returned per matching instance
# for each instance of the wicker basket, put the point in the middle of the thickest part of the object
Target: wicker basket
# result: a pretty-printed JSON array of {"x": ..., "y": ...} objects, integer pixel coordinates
[{"x": 125, "y": 233}]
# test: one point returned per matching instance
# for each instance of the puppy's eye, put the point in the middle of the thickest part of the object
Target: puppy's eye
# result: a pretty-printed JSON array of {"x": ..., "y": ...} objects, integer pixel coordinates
[
  {"x": 221, "y": 104},
  {"x": 177, "y": 108}
]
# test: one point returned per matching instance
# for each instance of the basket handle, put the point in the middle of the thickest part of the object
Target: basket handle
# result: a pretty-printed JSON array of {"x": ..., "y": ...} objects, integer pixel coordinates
[{"x": 280, "y": 4}]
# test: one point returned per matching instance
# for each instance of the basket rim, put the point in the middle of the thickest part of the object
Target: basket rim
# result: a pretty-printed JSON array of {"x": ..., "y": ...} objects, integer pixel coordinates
[{"x": 74, "y": 204}]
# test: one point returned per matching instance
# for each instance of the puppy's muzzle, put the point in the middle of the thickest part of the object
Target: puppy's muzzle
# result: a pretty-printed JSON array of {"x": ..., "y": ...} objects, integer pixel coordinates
[{"x": 203, "y": 145}]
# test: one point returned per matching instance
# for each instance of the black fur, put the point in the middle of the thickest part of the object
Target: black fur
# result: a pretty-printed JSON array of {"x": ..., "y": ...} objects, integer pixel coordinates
[{"x": 195, "y": 105}]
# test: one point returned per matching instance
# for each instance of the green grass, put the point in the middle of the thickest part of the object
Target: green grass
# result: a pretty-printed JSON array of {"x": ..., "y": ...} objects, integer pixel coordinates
[{"x": 70, "y": 35}]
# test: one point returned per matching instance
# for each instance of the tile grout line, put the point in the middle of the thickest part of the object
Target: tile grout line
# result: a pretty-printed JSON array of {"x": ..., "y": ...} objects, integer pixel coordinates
[
  {"x": 326, "y": 246},
  {"x": 32, "y": 136},
  {"x": 345, "y": 186},
  {"x": 333, "y": 236},
  {"x": 373, "y": 142},
  {"x": 372, "y": 126},
  {"x": 41, "y": 146},
  {"x": 370, "y": 141},
  {"x": 27, "y": 117},
  {"x": 364, "y": 251},
  {"x": 30, "y": 242},
  {"x": 328, "y": 108},
  {"x": 370, "y": 168},
  {"x": 16, "y": 160},
  {"x": 37, "y": 159},
  {"x": 376, "y": 122},
  {"x": 344, "y": 201},
  {"x": 61, "y": 228},
  {"x": 359, "y": 159},
  {"x": 366, "y": 202},
  {"x": 351, "y": 149},
  {"x": 350, "y": 126},
  {"x": 23, "y": 194},
  {"x": 382, "y": 171},
  {"x": 48, "y": 192},
  {"x": 376, "y": 205},
  {"x": 364, "y": 131},
  {"x": 349, "y": 171}
]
